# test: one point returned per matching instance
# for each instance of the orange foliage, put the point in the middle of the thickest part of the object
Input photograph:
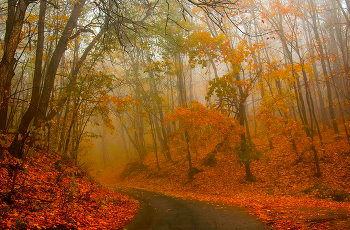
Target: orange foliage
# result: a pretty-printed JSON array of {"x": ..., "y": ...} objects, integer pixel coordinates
[
  {"x": 286, "y": 194},
  {"x": 202, "y": 125},
  {"x": 42, "y": 191}
]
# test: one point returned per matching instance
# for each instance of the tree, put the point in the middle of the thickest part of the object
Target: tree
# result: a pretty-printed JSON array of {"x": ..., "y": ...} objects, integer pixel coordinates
[{"x": 16, "y": 146}]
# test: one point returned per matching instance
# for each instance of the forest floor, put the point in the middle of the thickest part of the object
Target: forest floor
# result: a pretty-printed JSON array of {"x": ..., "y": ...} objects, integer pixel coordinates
[
  {"x": 285, "y": 196},
  {"x": 44, "y": 192}
]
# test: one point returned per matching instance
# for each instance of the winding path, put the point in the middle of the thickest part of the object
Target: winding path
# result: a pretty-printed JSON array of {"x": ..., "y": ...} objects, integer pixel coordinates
[{"x": 160, "y": 212}]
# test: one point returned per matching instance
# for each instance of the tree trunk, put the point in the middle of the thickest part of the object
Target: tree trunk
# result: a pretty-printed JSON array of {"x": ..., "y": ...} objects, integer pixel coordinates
[
  {"x": 163, "y": 139},
  {"x": 14, "y": 148},
  {"x": 183, "y": 102},
  {"x": 55, "y": 60},
  {"x": 74, "y": 75},
  {"x": 241, "y": 119},
  {"x": 14, "y": 23},
  {"x": 133, "y": 143},
  {"x": 323, "y": 65},
  {"x": 154, "y": 140}
]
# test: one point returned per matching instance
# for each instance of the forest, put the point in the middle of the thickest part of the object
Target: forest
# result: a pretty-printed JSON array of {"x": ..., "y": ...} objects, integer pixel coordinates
[{"x": 241, "y": 102}]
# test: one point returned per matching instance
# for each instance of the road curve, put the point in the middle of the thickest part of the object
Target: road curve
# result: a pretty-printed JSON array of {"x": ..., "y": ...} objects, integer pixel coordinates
[{"x": 160, "y": 212}]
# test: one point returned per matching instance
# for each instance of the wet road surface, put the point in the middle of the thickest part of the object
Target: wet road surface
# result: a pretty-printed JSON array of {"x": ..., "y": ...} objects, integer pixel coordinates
[{"x": 160, "y": 212}]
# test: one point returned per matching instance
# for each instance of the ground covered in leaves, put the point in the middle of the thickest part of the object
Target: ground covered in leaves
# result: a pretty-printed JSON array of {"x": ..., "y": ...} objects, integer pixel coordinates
[
  {"x": 286, "y": 194},
  {"x": 44, "y": 192}
]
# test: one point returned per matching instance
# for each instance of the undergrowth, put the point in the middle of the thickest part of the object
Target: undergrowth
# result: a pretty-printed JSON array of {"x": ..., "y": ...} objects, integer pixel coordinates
[
  {"x": 44, "y": 191},
  {"x": 285, "y": 195}
]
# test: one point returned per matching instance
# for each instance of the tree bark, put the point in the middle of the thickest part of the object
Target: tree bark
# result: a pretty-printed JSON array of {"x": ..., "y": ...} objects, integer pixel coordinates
[
  {"x": 323, "y": 65},
  {"x": 55, "y": 60},
  {"x": 15, "y": 18},
  {"x": 14, "y": 148},
  {"x": 74, "y": 75}
]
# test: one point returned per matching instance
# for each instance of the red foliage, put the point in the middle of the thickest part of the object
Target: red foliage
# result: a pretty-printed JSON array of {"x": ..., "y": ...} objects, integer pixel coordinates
[
  {"x": 286, "y": 195},
  {"x": 43, "y": 192}
]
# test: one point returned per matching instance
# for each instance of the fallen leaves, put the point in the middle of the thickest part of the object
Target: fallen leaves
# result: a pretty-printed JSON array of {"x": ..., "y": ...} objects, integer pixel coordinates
[
  {"x": 286, "y": 195},
  {"x": 43, "y": 191}
]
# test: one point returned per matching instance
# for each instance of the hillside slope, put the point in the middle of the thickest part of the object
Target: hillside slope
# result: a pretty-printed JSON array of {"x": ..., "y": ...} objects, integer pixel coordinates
[
  {"x": 285, "y": 195},
  {"x": 44, "y": 192}
]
